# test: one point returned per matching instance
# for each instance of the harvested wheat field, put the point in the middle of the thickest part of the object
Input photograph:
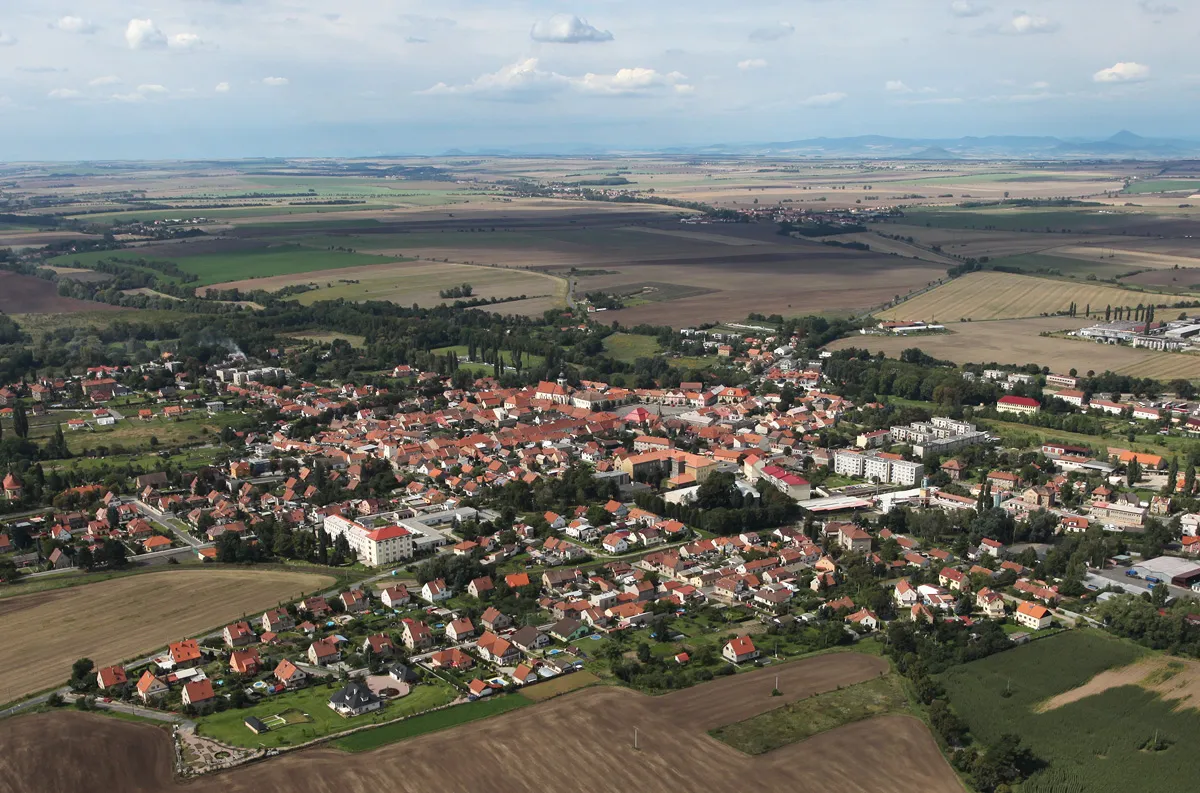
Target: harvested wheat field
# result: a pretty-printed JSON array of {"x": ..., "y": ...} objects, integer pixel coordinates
[
  {"x": 1174, "y": 679},
  {"x": 579, "y": 742},
  {"x": 114, "y": 621},
  {"x": 992, "y": 295},
  {"x": 1018, "y": 342},
  {"x": 28, "y": 294}
]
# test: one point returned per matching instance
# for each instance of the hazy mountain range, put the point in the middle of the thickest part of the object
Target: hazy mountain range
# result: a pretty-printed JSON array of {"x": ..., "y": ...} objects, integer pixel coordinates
[{"x": 1123, "y": 145}]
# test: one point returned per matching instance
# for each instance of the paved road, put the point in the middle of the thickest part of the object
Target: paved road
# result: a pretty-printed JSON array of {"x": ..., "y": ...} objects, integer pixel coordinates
[{"x": 170, "y": 525}]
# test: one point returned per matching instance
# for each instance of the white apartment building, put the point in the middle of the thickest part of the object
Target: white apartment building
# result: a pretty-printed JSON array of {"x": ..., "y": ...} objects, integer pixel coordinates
[
  {"x": 874, "y": 465},
  {"x": 373, "y": 547}
]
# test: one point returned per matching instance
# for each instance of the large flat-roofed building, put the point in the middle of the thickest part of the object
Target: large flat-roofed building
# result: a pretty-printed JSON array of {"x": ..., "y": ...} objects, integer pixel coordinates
[
  {"x": 939, "y": 435},
  {"x": 886, "y": 468}
]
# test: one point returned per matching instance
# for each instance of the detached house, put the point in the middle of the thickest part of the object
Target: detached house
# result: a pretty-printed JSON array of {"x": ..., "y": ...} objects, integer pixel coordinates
[
  {"x": 435, "y": 591},
  {"x": 739, "y": 650}
]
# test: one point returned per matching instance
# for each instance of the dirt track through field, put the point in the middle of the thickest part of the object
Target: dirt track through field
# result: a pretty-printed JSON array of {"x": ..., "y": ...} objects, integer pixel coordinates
[
  {"x": 114, "y": 621},
  {"x": 579, "y": 742},
  {"x": 1175, "y": 679}
]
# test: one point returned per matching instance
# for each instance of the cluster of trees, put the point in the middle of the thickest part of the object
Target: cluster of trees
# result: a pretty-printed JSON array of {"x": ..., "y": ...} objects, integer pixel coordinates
[
  {"x": 721, "y": 508},
  {"x": 1149, "y": 621},
  {"x": 465, "y": 290}
]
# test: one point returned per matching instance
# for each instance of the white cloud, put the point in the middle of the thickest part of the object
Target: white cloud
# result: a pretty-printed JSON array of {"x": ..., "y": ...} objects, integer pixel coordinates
[
  {"x": 71, "y": 24},
  {"x": 222, "y": 88},
  {"x": 184, "y": 41},
  {"x": 7, "y": 39},
  {"x": 1124, "y": 72},
  {"x": 275, "y": 82},
  {"x": 567, "y": 29},
  {"x": 774, "y": 32},
  {"x": 151, "y": 88},
  {"x": 64, "y": 93},
  {"x": 109, "y": 79},
  {"x": 517, "y": 79},
  {"x": 752, "y": 63},
  {"x": 824, "y": 100},
  {"x": 1023, "y": 23},
  {"x": 632, "y": 81},
  {"x": 965, "y": 8},
  {"x": 524, "y": 80},
  {"x": 1040, "y": 85},
  {"x": 897, "y": 87},
  {"x": 143, "y": 35},
  {"x": 142, "y": 93},
  {"x": 937, "y": 100}
]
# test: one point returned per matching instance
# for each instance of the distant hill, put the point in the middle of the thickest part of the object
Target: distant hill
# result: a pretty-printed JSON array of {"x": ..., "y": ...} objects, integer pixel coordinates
[{"x": 1123, "y": 145}]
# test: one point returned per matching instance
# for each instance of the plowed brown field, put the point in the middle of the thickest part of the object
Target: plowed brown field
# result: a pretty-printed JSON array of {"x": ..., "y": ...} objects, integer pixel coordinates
[{"x": 579, "y": 742}]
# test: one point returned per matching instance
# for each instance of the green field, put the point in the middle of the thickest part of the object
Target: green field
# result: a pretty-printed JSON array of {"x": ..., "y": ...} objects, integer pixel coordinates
[
  {"x": 1079, "y": 219},
  {"x": 311, "y": 716},
  {"x": 1080, "y": 269},
  {"x": 628, "y": 347},
  {"x": 215, "y": 268},
  {"x": 1144, "y": 186},
  {"x": 228, "y": 213},
  {"x": 431, "y": 722},
  {"x": 1093, "y": 745},
  {"x": 804, "y": 719}
]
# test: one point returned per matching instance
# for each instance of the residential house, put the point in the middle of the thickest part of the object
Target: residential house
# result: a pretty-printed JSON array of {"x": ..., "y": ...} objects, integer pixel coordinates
[
  {"x": 198, "y": 693},
  {"x": 739, "y": 650},
  {"x": 460, "y": 630},
  {"x": 245, "y": 662},
  {"x": 355, "y": 699},
  {"x": 290, "y": 675},
  {"x": 323, "y": 652},
  {"x": 1033, "y": 616},
  {"x": 111, "y": 678},
  {"x": 239, "y": 634},
  {"x": 150, "y": 687}
]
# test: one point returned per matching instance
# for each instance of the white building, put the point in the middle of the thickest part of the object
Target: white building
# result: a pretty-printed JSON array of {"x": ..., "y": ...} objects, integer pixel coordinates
[{"x": 373, "y": 547}]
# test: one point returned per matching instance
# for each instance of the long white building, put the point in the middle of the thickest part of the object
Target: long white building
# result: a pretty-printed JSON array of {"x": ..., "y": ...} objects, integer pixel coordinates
[{"x": 878, "y": 466}]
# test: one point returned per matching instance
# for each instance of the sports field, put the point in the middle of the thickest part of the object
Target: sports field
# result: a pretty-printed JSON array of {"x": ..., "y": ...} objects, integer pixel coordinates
[
  {"x": 992, "y": 295},
  {"x": 114, "y": 621}
]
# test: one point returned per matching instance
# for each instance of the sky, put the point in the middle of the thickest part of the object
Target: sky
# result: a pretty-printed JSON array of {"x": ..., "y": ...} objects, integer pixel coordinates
[{"x": 144, "y": 79}]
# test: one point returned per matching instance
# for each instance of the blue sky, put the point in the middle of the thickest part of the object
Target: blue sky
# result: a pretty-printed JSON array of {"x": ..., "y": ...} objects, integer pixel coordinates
[{"x": 231, "y": 78}]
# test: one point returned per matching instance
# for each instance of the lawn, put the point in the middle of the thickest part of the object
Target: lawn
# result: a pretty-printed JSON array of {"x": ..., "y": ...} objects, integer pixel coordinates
[
  {"x": 431, "y": 722},
  {"x": 628, "y": 347},
  {"x": 309, "y": 715},
  {"x": 330, "y": 336},
  {"x": 1096, "y": 744},
  {"x": 807, "y": 717}
]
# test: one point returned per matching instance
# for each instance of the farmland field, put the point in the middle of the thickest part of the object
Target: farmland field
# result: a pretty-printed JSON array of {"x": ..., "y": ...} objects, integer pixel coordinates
[
  {"x": 421, "y": 282},
  {"x": 1017, "y": 342},
  {"x": 115, "y": 620},
  {"x": 592, "y": 732},
  {"x": 1095, "y": 743},
  {"x": 992, "y": 295},
  {"x": 27, "y": 294},
  {"x": 216, "y": 268}
]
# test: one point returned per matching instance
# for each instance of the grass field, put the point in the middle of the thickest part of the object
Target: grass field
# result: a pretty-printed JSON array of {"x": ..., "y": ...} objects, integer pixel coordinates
[
  {"x": 1064, "y": 266},
  {"x": 431, "y": 722},
  {"x": 1089, "y": 220},
  {"x": 113, "y": 621},
  {"x": 628, "y": 347},
  {"x": 1018, "y": 342},
  {"x": 228, "y": 213},
  {"x": 313, "y": 716},
  {"x": 1143, "y": 186},
  {"x": 991, "y": 295},
  {"x": 808, "y": 717},
  {"x": 1097, "y": 743},
  {"x": 562, "y": 684},
  {"x": 328, "y": 337}
]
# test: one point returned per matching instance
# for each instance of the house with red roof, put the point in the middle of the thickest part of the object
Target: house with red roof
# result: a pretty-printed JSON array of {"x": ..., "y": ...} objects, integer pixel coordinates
[{"x": 739, "y": 649}]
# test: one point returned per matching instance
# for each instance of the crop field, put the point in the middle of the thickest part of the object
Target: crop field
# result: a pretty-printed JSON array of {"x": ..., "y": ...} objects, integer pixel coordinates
[
  {"x": 1096, "y": 742},
  {"x": 799, "y": 720},
  {"x": 591, "y": 731},
  {"x": 992, "y": 295},
  {"x": 1018, "y": 342},
  {"x": 261, "y": 262},
  {"x": 415, "y": 282},
  {"x": 115, "y": 620},
  {"x": 1064, "y": 266},
  {"x": 27, "y": 294},
  {"x": 801, "y": 279},
  {"x": 1143, "y": 186},
  {"x": 1060, "y": 220}
]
